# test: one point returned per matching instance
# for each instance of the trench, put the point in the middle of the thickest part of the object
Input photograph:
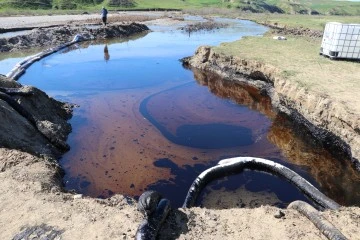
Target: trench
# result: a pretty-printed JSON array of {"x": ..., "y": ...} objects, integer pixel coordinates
[{"x": 145, "y": 122}]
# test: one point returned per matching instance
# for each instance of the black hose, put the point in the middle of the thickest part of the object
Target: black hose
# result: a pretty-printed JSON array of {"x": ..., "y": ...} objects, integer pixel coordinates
[
  {"x": 331, "y": 232},
  {"x": 235, "y": 165}
]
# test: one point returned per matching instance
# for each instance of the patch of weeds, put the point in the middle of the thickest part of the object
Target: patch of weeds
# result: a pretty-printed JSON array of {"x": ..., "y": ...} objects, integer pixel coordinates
[{"x": 288, "y": 73}]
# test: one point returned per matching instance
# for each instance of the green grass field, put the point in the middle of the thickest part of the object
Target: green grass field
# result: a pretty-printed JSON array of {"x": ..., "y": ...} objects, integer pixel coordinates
[
  {"x": 312, "y": 22},
  {"x": 298, "y": 61},
  {"x": 328, "y": 7}
]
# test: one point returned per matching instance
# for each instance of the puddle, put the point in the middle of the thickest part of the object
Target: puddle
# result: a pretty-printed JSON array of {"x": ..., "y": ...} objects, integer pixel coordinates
[
  {"x": 146, "y": 122},
  {"x": 93, "y": 26},
  {"x": 14, "y": 34}
]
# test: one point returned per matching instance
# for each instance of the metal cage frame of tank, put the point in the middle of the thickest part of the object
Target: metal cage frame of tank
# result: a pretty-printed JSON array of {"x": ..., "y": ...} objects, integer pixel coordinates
[{"x": 341, "y": 41}]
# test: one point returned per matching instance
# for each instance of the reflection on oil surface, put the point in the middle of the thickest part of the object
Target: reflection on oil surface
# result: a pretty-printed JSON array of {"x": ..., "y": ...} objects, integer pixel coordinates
[{"x": 145, "y": 123}]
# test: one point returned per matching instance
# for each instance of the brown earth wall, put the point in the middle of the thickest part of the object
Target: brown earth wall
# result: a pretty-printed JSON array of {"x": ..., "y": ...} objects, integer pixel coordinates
[{"x": 329, "y": 121}]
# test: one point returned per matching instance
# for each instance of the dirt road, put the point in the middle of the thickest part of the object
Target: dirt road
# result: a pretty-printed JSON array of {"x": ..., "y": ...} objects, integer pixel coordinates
[{"x": 44, "y": 21}]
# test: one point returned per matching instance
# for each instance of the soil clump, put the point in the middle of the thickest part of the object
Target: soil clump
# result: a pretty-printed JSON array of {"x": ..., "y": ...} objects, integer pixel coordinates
[{"x": 203, "y": 26}]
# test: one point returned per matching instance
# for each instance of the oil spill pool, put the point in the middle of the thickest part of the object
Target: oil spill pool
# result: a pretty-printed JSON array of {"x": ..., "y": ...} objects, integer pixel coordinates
[
  {"x": 119, "y": 148},
  {"x": 145, "y": 122}
]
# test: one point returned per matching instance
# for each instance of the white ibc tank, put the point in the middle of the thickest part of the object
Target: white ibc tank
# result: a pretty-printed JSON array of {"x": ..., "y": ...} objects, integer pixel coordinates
[{"x": 341, "y": 40}]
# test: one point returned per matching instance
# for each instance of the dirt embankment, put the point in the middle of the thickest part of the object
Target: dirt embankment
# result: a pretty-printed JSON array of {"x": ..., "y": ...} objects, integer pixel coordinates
[
  {"x": 329, "y": 121},
  {"x": 299, "y": 31},
  {"x": 31, "y": 121},
  {"x": 54, "y": 36}
]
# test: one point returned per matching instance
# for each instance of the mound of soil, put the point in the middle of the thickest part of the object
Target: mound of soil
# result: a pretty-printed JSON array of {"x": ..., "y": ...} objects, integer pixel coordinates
[
  {"x": 54, "y": 36},
  {"x": 31, "y": 121},
  {"x": 294, "y": 31},
  {"x": 203, "y": 26}
]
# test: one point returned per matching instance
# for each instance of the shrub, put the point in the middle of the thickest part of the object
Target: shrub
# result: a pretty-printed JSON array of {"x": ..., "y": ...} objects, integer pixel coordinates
[
  {"x": 121, "y": 3},
  {"x": 32, "y": 4}
]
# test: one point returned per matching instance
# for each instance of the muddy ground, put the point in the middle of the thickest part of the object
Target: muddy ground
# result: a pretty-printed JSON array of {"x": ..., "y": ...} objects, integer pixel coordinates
[
  {"x": 33, "y": 203},
  {"x": 55, "y": 36}
]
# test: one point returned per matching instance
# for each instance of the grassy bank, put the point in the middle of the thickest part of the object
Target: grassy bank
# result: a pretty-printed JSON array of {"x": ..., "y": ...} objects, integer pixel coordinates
[
  {"x": 299, "y": 61},
  {"x": 314, "y": 22},
  {"x": 311, "y": 22}
]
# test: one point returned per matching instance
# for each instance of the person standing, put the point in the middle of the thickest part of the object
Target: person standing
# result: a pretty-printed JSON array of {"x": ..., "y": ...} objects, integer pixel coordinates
[{"x": 104, "y": 13}]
